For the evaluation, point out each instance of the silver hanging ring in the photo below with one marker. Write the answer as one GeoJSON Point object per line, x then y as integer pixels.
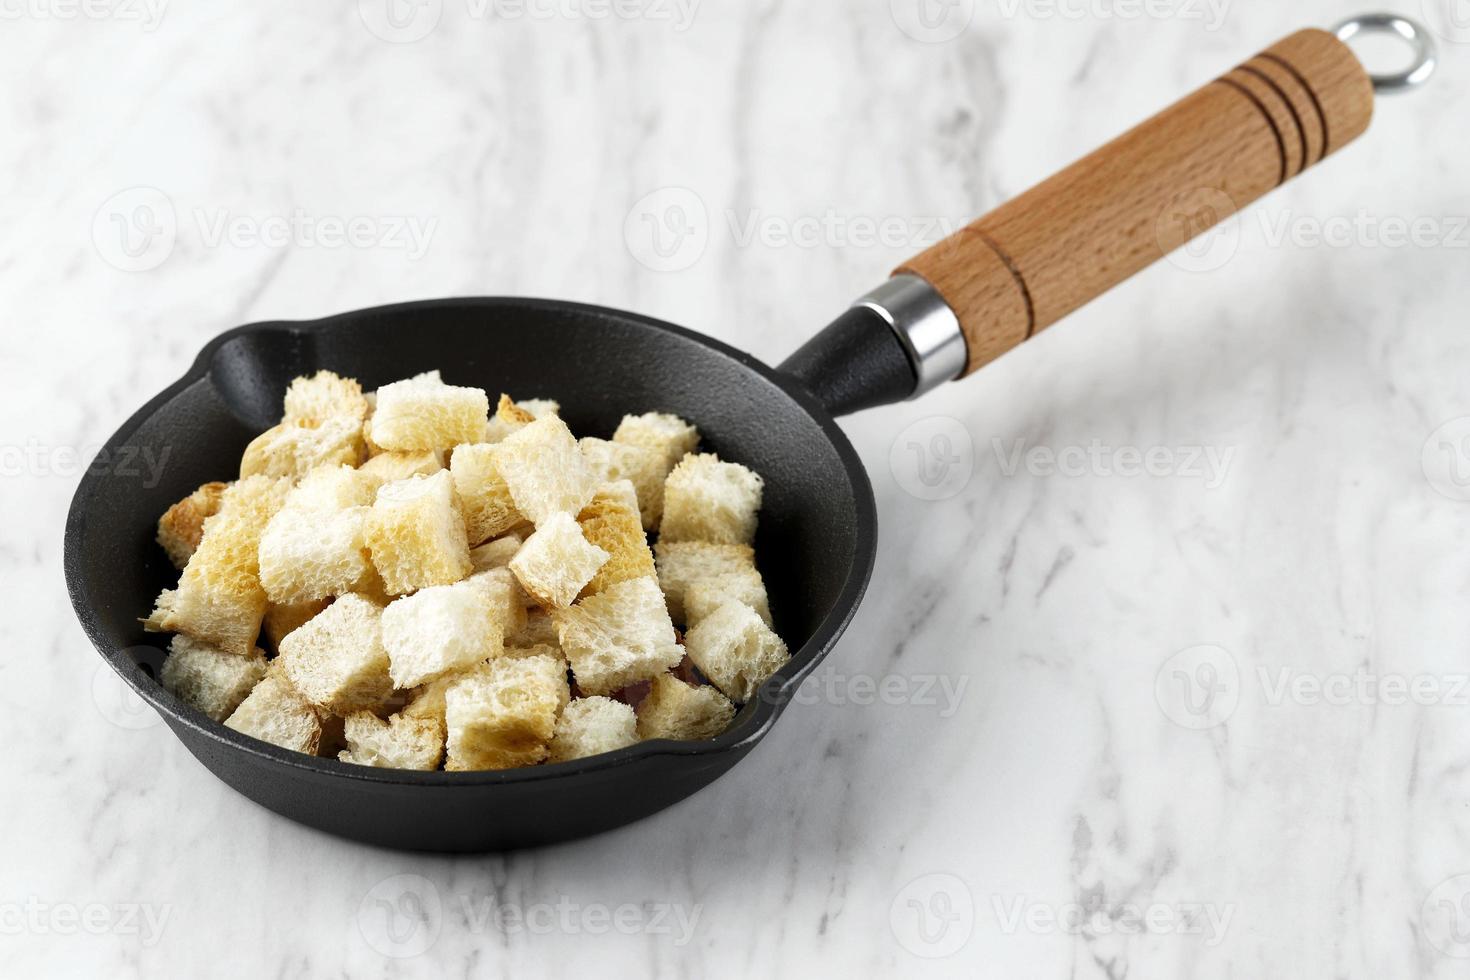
{"type": "Point", "coordinates": [1415, 33]}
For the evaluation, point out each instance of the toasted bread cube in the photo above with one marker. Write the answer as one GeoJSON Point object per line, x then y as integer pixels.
{"type": "Point", "coordinates": [640, 465]}
{"type": "Point", "coordinates": [324, 395]}
{"type": "Point", "coordinates": [668, 435]}
{"type": "Point", "coordinates": [489, 509]}
{"type": "Point", "coordinates": [503, 714]}
{"type": "Point", "coordinates": [708, 500]}
{"type": "Point", "coordinates": [293, 449]}
{"type": "Point", "coordinates": [392, 467]}
{"type": "Point", "coordinates": [592, 726]}
{"type": "Point", "coordinates": [496, 553]}
{"type": "Point", "coordinates": [219, 600]}
{"type": "Point", "coordinates": [508, 418]}
{"type": "Point", "coordinates": [540, 630]}
{"type": "Point", "coordinates": [208, 678]}
{"type": "Point", "coordinates": [683, 562]}
{"type": "Point", "coordinates": [425, 413]}
{"type": "Point", "coordinates": [618, 637]}
{"type": "Point", "coordinates": [736, 650]}
{"type": "Point", "coordinates": [316, 546]}
{"type": "Point", "coordinates": [557, 561]}
{"type": "Point", "coordinates": [507, 598]}
{"type": "Point", "coordinates": [181, 527]}
{"type": "Point", "coordinates": [550, 663]}
{"type": "Point", "coordinates": [611, 522]}
{"type": "Point", "coordinates": [703, 596]}
{"type": "Point", "coordinates": [674, 709]}
{"type": "Point", "coordinates": [281, 621]}
{"type": "Point", "coordinates": [401, 742]}
{"type": "Point", "coordinates": [439, 630]}
{"type": "Point", "coordinates": [545, 471]}
{"type": "Point", "coordinates": [416, 534]}
{"type": "Point", "coordinates": [337, 661]}
{"type": "Point", "coordinates": [275, 712]}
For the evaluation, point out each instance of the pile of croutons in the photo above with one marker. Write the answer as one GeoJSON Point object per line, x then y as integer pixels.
{"type": "Point", "coordinates": [403, 579]}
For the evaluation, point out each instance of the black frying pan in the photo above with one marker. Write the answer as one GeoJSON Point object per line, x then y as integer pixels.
{"type": "Point", "coordinates": [995, 283]}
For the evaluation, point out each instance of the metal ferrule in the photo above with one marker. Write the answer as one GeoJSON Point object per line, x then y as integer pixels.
{"type": "Point", "coordinates": [926, 326]}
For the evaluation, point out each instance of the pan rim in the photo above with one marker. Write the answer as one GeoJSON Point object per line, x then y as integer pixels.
{"type": "Point", "coordinates": [770, 702]}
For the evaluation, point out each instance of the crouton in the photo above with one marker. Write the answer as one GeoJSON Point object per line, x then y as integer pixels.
{"type": "Point", "coordinates": [618, 637]}
{"type": "Point", "coordinates": [668, 435]}
{"type": "Point", "coordinates": [219, 600]}
{"type": "Point", "coordinates": [392, 467]}
{"type": "Point", "coordinates": [557, 561]}
{"type": "Point", "coordinates": [275, 712]}
{"type": "Point", "coordinates": [539, 630]}
{"type": "Point", "coordinates": [611, 522]}
{"type": "Point", "coordinates": [681, 562]}
{"type": "Point", "coordinates": [294, 450]}
{"type": "Point", "coordinates": [507, 598]}
{"type": "Point", "coordinates": [544, 469]}
{"type": "Point", "coordinates": [736, 650]}
{"type": "Point", "coordinates": [496, 553]}
{"type": "Point", "coordinates": [539, 407]}
{"type": "Point", "coordinates": [708, 500]}
{"type": "Point", "coordinates": [508, 418]}
{"type": "Point", "coordinates": [324, 395]}
{"type": "Point", "coordinates": [337, 660]}
{"type": "Point", "coordinates": [416, 534]}
{"type": "Point", "coordinates": [181, 527]}
{"type": "Point", "coordinates": [424, 413]}
{"type": "Point", "coordinates": [591, 726]}
{"type": "Point", "coordinates": [674, 709]}
{"type": "Point", "coordinates": [209, 679]}
{"type": "Point", "coordinates": [640, 465]}
{"type": "Point", "coordinates": [703, 596]}
{"type": "Point", "coordinates": [550, 663]}
{"type": "Point", "coordinates": [489, 509]}
{"type": "Point", "coordinates": [503, 714]}
{"type": "Point", "coordinates": [281, 621]}
{"type": "Point", "coordinates": [439, 630]}
{"type": "Point", "coordinates": [316, 545]}
{"type": "Point", "coordinates": [400, 742]}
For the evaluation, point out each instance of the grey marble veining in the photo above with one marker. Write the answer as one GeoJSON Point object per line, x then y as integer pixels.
{"type": "Point", "coordinates": [1162, 672]}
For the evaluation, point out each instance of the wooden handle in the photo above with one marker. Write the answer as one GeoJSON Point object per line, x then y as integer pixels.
{"type": "Point", "coordinates": [1038, 257]}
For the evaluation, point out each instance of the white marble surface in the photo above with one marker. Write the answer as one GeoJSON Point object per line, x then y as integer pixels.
{"type": "Point", "coordinates": [1035, 754]}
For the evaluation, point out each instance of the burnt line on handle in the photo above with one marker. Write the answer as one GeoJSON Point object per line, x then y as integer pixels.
{"type": "Point", "coordinates": [1265, 114]}
{"type": "Point", "coordinates": [1316, 103]}
{"type": "Point", "coordinates": [1014, 270]}
{"type": "Point", "coordinates": [1281, 94]}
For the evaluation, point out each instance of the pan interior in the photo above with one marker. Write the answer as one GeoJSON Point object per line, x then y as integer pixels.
{"type": "Point", "coordinates": [814, 543]}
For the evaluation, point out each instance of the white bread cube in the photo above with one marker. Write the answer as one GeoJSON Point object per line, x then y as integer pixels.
{"type": "Point", "coordinates": [324, 395]}
{"type": "Point", "coordinates": [674, 709]}
{"type": "Point", "coordinates": [293, 449]}
{"type": "Point", "coordinates": [544, 469]}
{"type": "Point", "coordinates": [275, 712]}
{"type": "Point", "coordinates": [182, 525]}
{"type": "Point", "coordinates": [489, 509]}
{"type": "Point", "coordinates": [681, 563]}
{"type": "Point", "coordinates": [496, 553]}
{"type": "Point", "coordinates": [549, 662]}
{"type": "Point", "coordinates": [592, 726]}
{"type": "Point", "coordinates": [508, 418]}
{"type": "Point", "coordinates": [392, 467]}
{"type": "Point", "coordinates": [416, 534]}
{"type": "Point", "coordinates": [557, 561]}
{"type": "Point", "coordinates": [736, 650]}
{"type": "Point", "coordinates": [611, 522]}
{"type": "Point", "coordinates": [440, 630]}
{"type": "Point", "coordinates": [401, 742]}
{"type": "Point", "coordinates": [219, 600]}
{"type": "Point", "coordinates": [539, 407]}
{"type": "Point", "coordinates": [507, 599]}
{"type": "Point", "coordinates": [316, 546]}
{"type": "Point", "coordinates": [703, 596]}
{"type": "Point", "coordinates": [209, 679]}
{"type": "Point", "coordinates": [668, 435]}
{"type": "Point", "coordinates": [337, 660]}
{"type": "Point", "coordinates": [424, 413]}
{"type": "Point", "coordinates": [618, 637]}
{"type": "Point", "coordinates": [709, 500]}
{"type": "Point", "coordinates": [540, 630]}
{"type": "Point", "coordinates": [281, 621]}
{"type": "Point", "coordinates": [503, 714]}
{"type": "Point", "coordinates": [640, 465]}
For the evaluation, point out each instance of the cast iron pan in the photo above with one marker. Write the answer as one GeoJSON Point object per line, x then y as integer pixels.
{"type": "Point", "coordinates": [949, 311]}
